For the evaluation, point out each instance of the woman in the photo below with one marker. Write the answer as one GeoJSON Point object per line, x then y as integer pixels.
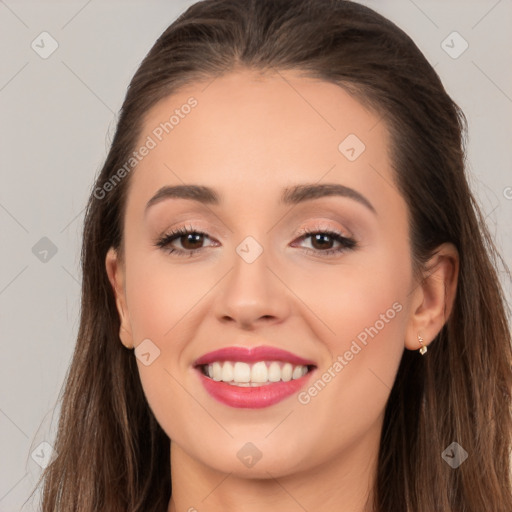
{"type": "Point", "coordinates": [290, 297]}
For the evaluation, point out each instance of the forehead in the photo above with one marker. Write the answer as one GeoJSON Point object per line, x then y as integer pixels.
{"type": "Point", "coordinates": [248, 132]}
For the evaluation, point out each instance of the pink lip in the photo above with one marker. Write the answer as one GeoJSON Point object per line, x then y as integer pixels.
{"type": "Point", "coordinates": [252, 397]}
{"type": "Point", "coordinates": [252, 355]}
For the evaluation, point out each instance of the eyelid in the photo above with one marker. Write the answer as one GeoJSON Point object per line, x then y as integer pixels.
{"type": "Point", "coordinates": [322, 225]}
{"type": "Point", "coordinates": [318, 225]}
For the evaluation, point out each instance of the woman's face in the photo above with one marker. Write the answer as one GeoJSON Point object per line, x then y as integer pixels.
{"type": "Point", "coordinates": [339, 298]}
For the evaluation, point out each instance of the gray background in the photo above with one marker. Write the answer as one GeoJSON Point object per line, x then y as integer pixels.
{"type": "Point", "coordinates": [58, 117]}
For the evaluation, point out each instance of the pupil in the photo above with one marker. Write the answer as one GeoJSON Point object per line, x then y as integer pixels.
{"type": "Point", "coordinates": [189, 239]}
{"type": "Point", "coordinates": [319, 237]}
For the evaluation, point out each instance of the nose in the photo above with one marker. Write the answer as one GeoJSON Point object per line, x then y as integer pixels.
{"type": "Point", "coordinates": [252, 294]}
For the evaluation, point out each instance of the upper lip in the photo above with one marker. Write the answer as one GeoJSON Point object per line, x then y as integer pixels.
{"type": "Point", "coordinates": [252, 355]}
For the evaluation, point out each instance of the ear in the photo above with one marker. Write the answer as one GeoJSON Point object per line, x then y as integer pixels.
{"type": "Point", "coordinates": [433, 297]}
{"type": "Point", "coordinates": [116, 276]}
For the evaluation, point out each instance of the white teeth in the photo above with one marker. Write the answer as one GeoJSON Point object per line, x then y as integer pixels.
{"type": "Point", "coordinates": [217, 371]}
{"type": "Point", "coordinates": [227, 372]}
{"type": "Point", "coordinates": [287, 372]}
{"type": "Point", "coordinates": [242, 372]}
{"type": "Point", "coordinates": [297, 372]}
{"type": "Point", "coordinates": [260, 373]}
{"type": "Point", "coordinates": [274, 372]}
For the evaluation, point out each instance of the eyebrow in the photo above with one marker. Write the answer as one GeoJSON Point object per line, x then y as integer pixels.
{"type": "Point", "coordinates": [290, 196]}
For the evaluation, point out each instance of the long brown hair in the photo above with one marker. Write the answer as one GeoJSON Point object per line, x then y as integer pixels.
{"type": "Point", "coordinates": [113, 455]}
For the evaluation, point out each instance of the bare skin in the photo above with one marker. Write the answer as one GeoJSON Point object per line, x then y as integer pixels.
{"type": "Point", "coordinates": [249, 137]}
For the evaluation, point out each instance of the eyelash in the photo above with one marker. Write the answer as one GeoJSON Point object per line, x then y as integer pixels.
{"type": "Point", "coordinates": [165, 241]}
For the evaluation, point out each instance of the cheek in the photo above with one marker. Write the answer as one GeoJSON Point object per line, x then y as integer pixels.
{"type": "Point", "coordinates": [161, 296]}
{"type": "Point", "coordinates": [161, 299]}
{"type": "Point", "coordinates": [361, 299]}
{"type": "Point", "coordinates": [361, 312]}
{"type": "Point", "coordinates": [349, 394]}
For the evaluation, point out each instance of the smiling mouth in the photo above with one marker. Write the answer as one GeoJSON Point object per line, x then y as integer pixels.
{"type": "Point", "coordinates": [257, 374]}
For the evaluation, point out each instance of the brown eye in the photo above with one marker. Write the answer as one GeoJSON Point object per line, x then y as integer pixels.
{"type": "Point", "coordinates": [191, 241]}
{"type": "Point", "coordinates": [322, 241]}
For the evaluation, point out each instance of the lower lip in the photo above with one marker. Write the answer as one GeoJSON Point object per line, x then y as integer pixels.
{"type": "Point", "coordinates": [252, 397]}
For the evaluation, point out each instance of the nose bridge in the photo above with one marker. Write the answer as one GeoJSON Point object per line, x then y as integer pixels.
{"type": "Point", "coordinates": [251, 291]}
{"type": "Point", "coordinates": [250, 279]}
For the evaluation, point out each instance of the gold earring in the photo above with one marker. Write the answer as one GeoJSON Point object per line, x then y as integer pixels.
{"type": "Point", "coordinates": [423, 348]}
